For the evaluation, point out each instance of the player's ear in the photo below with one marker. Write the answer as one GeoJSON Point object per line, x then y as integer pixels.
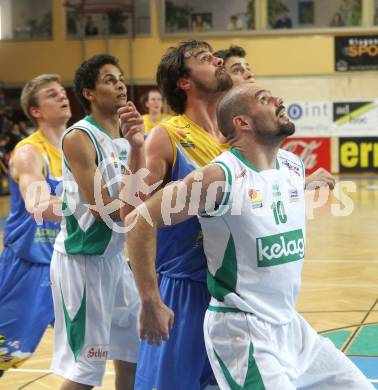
{"type": "Point", "coordinates": [88, 94]}
{"type": "Point", "coordinates": [241, 122]}
{"type": "Point", "coordinates": [35, 112]}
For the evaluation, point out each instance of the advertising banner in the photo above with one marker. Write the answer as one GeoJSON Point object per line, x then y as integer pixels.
{"type": "Point", "coordinates": [355, 118]}
{"type": "Point", "coordinates": [359, 52]}
{"type": "Point", "coordinates": [312, 118]}
{"type": "Point", "coordinates": [358, 154]}
{"type": "Point", "coordinates": [315, 151]}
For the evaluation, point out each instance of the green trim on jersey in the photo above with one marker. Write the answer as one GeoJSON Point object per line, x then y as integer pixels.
{"type": "Point", "coordinates": [94, 123]}
{"type": "Point", "coordinates": [219, 209]}
{"type": "Point", "coordinates": [225, 278]}
{"type": "Point", "coordinates": [75, 328]}
{"type": "Point", "coordinates": [303, 173]}
{"type": "Point", "coordinates": [93, 241]}
{"type": "Point", "coordinates": [66, 163]}
{"type": "Point", "coordinates": [221, 309]}
{"type": "Point", "coordinates": [253, 380]}
{"type": "Point", "coordinates": [100, 157]}
{"type": "Point", "coordinates": [227, 190]}
{"type": "Point", "coordinates": [241, 157]}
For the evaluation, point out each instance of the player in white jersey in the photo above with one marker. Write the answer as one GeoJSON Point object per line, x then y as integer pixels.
{"type": "Point", "coordinates": [95, 298]}
{"type": "Point", "coordinates": [250, 202]}
{"type": "Point", "coordinates": [240, 71]}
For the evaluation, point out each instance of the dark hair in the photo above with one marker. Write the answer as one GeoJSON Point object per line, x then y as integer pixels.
{"type": "Point", "coordinates": [87, 73]}
{"type": "Point", "coordinates": [171, 68]}
{"type": "Point", "coordinates": [235, 102]}
{"type": "Point", "coordinates": [144, 98]}
{"type": "Point", "coordinates": [232, 51]}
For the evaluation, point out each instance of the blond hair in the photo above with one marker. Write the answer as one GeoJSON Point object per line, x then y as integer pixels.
{"type": "Point", "coordinates": [28, 95]}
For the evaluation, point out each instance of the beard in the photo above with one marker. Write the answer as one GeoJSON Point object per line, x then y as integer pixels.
{"type": "Point", "coordinates": [286, 129]}
{"type": "Point", "coordinates": [223, 82]}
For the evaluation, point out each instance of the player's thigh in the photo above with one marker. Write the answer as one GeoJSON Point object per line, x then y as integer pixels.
{"type": "Point", "coordinates": [241, 353]}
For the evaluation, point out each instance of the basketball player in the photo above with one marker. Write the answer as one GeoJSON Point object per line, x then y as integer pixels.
{"type": "Point", "coordinates": [95, 299]}
{"type": "Point", "coordinates": [26, 307]}
{"type": "Point", "coordinates": [186, 78]}
{"type": "Point", "coordinates": [192, 80]}
{"type": "Point", "coordinates": [240, 72]}
{"type": "Point", "coordinates": [250, 202]}
{"type": "Point", "coordinates": [154, 105]}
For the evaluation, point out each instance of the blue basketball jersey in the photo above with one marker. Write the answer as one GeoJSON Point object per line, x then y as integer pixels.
{"type": "Point", "coordinates": [179, 248]}
{"type": "Point", "coordinates": [28, 240]}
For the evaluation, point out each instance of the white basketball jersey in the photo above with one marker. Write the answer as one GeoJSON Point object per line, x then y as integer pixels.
{"type": "Point", "coordinates": [80, 232]}
{"type": "Point", "coordinates": [255, 241]}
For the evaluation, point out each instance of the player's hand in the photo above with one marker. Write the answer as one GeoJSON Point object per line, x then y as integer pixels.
{"type": "Point", "coordinates": [320, 178]}
{"type": "Point", "coordinates": [132, 124]}
{"type": "Point", "coordinates": [155, 321]}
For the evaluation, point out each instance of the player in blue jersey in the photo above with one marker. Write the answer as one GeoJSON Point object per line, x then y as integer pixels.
{"type": "Point", "coordinates": [192, 80]}
{"type": "Point", "coordinates": [26, 306]}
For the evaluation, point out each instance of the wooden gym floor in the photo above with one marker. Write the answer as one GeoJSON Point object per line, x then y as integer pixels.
{"type": "Point", "coordinates": [339, 294]}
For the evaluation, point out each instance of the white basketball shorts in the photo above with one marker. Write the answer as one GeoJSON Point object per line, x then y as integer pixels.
{"type": "Point", "coordinates": [96, 315]}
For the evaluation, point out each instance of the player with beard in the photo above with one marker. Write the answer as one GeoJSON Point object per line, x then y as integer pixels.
{"type": "Point", "coordinates": [192, 80]}
{"type": "Point", "coordinates": [251, 206]}
{"type": "Point", "coordinates": [240, 71]}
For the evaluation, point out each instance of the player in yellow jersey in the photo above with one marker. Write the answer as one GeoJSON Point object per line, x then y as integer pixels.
{"type": "Point", "coordinates": [26, 306]}
{"type": "Point", "coordinates": [192, 80]}
{"type": "Point", "coordinates": [154, 104]}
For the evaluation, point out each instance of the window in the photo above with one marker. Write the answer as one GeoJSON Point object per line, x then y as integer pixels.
{"type": "Point", "coordinates": [101, 18]}
{"type": "Point", "coordinates": [24, 19]}
{"type": "Point", "coordinates": [298, 14]}
{"type": "Point", "coordinates": [208, 16]}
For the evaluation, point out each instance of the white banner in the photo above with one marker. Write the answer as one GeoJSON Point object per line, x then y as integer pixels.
{"type": "Point", "coordinates": [352, 118]}
{"type": "Point", "coordinates": [311, 119]}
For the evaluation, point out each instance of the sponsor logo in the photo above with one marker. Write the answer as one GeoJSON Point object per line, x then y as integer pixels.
{"type": "Point", "coordinates": [358, 154]}
{"type": "Point", "coordinates": [356, 52]}
{"type": "Point", "coordinates": [352, 113]}
{"type": "Point", "coordinates": [255, 198]}
{"type": "Point", "coordinates": [186, 140]}
{"type": "Point", "coordinates": [276, 191]}
{"type": "Point", "coordinates": [241, 174]}
{"type": "Point", "coordinates": [280, 248]}
{"type": "Point", "coordinates": [292, 167]}
{"type": "Point", "coordinates": [296, 111]}
{"type": "Point", "coordinates": [306, 151]}
{"type": "Point", "coordinates": [293, 195]}
{"type": "Point", "coordinates": [123, 155]}
{"type": "Point", "coordinates": [97, 353]}
{"type": "Point", "coordinates": [114, 159]}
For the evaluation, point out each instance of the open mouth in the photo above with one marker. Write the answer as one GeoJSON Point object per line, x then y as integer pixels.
{"type": "Point", "coordinates": [281, 112]}
{"type": "Point", "coordinates": [122, 96]}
